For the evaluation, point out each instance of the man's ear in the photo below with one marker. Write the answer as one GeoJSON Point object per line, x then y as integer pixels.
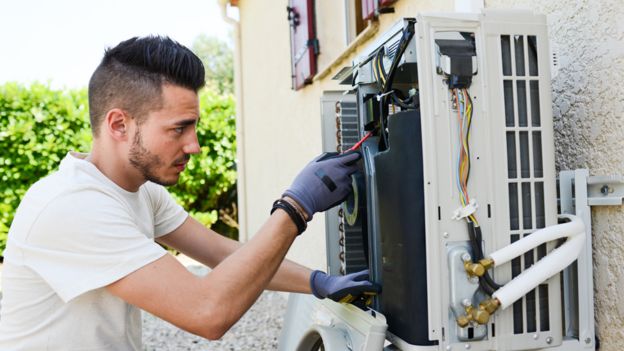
{"type": "Point", "coordinates": [117, 123]}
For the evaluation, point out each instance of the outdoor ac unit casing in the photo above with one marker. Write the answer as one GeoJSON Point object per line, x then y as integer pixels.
{"type": "Point", "coordinates": [512, 178]}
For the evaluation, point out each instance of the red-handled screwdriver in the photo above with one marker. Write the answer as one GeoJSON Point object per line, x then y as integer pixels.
{"type": "Point", "coordinates": [359, 143]}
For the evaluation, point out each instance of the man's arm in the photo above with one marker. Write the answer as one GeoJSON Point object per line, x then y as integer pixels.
{"type": "Point", "coordinates": [210, 248]}
{"type": "Point", "coordinates": [208, 306]}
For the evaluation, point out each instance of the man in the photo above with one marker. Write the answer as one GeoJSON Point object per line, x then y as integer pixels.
{"type": "Point", "coordinates": [81, 258]}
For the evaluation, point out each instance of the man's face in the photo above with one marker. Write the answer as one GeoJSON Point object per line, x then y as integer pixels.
{"type": "Point", "coordinates": [164, 141]}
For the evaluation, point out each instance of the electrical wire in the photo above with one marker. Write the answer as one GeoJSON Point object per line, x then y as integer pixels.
{"type": "Point", "coordinates": [464, 120]}
{"type": "Point", "coordinates": [384, 79]}
{"type": "Point", "coordinates": [464, 106]}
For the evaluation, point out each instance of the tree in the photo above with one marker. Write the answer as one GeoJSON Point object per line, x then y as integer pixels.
{"type": "Point", "coordinates": [218, 59]}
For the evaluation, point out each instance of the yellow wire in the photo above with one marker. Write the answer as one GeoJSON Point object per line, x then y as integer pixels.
{"type": "Point", "coordinates": [464, 161]}
{"type": "Point", "coordinates": [383, 79]}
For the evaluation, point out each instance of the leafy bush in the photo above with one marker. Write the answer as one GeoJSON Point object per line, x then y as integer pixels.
{"type": "Point", "coordinates": [208, 185]}
{"type": "Point", "coordinates": [39, 125]}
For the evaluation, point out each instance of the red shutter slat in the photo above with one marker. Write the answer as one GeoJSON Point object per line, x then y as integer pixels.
{"type": "Point", "coordinates": [303, 42]}
{"type": "Point", "coordinates": [384, 3]}
{"type": "Point", "coordinates": [368, 9]}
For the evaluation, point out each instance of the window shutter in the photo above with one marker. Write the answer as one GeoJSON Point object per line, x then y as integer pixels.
{"type": "Point", "coordinates": [304, 46]}
{"type": "Point", "coordinates": [370, 7]}
{"type": "Point", "coordinates": [384, 3]}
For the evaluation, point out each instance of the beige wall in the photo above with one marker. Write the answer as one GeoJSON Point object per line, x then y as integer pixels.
{"type": "Point", "coordinates": [282, 129]}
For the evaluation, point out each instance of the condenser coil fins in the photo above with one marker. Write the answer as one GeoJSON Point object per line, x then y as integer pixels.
{"type": "Point", "coordinates": [402, 229]}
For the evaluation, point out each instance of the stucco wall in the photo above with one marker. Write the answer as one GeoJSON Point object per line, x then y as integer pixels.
{"type": "Point", "coordinates": [588, 111]}
{"type": "Point", "coordinates": [282, 127]}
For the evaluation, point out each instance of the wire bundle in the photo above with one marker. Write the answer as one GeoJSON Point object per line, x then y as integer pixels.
{"type": "Point", "coordinates": [464, 120]}
{"type": "Point", "coordinates": [384, 79]}
{"type": "Point", "coordinates": [463, 102]}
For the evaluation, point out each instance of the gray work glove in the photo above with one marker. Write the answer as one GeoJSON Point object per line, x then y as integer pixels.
{"type": "Point", "coordinates": [343, 288]}
{"type": "Point", "coordinates": [324, 183]}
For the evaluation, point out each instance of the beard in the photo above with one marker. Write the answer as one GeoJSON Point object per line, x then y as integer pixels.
{"type": "Point", "coordinates": [147, 163]}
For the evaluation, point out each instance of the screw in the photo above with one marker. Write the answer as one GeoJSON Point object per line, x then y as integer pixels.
{"type": "Point", "coordinates": [588, 340]}
{"type": "Point", "coordinates": [445, 235]}
{"type": "Point", "coordinates": [535, 336]}
{"type": "Point", "coordinates": [549, 340]}
{"type": "Point", "coordinates": [466, 257]}
{"type": "Point", "coordinates": [467, 346]}
{"type": "Point", "coordinates": [605, 190]}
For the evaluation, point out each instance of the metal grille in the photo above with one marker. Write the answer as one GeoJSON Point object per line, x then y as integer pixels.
{"type": "Point", "coordinates": [346, 125]}
{"type": "Point", "coordinates": [352, 254]}
{"type": "Point", "coordinates": [525, 171]}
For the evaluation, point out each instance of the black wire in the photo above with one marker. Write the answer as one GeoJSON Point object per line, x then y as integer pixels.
{"type": "Point", "coordinates": [408, 33]}
{"type": "Point", "coordinates": [377, 74]}
{"type": "Point", "coordinates": [382, 128]}
{"type": "Point", "coordinates": [404, 104]}
{"type": "Point", "coordinates": [476, 249]}
{"type": "Point", "coordinates": [477, 254]}
{"type": "Point", "coordinates": [411, 102]}
{"type": "Point", "coordinates": [355, 74]}
{"type": "Point", "coordinates": [488, 279]}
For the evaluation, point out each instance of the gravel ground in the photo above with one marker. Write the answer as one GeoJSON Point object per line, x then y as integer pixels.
{"type": "Point", "coordinates": [259, 328]}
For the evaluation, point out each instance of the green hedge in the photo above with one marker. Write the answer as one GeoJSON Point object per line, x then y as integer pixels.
{"type": "Point", "coordinates": [207, 188]}
{"type": "Point", "coordinates": [39, 125]}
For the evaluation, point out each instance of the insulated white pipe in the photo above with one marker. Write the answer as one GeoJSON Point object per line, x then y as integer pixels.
{"type": "Point", "coordinates": [545, 268]}
{"type": "Point", "coordinates": [537, 238]}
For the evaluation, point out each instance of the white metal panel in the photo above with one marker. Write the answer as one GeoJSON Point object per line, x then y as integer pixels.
{"type": "Point", "coordinates": [489, 179]}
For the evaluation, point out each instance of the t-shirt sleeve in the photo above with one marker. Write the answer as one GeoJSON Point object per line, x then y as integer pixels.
{"type": "Point", "coordinates": [168, 215]}
{"type": "Point", "coordinates": [86, 240]}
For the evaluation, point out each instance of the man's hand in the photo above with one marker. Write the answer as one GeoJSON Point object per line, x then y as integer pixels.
{"type": "Point", "coordinates": [324, 183]}
{"type": "Point", "coordinates": [344, 288]}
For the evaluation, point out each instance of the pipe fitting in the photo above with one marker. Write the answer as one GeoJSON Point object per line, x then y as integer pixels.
{"type": "Point", "coordinates": [474, 269]}
{"type": "Point", "coordinates": [463, 320]}
{"type": "Point", "coordinates": [480, 315]}
{"type": "Point", "coordinates": [478, 269]}
{"type": "Point", "coordinates": [490, 305]}
{"type": "Point", "coordinates": [487, 263]}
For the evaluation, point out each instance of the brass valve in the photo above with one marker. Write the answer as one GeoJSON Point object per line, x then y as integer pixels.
{"type": "Point", "coordinates": [477, 269]}
{"type": "Point", "coordinates": [490, 305]}
{"type": "Point", "coordinates": [487, 263]}
{"type": "Point", "coordinates": [474, 269]}
{"type": "Point", "coordinates": [480, 315]}
{"type": "Point", "coordinates": [464, 320]}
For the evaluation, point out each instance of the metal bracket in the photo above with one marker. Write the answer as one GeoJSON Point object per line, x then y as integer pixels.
{"type": "Point", "coordinates": [605, 190]}
{"type": "Point", "coordinates": [578, 292]}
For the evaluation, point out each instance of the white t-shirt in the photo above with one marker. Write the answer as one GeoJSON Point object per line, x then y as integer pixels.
{"type": "Point", "coordinates": [75, 232]}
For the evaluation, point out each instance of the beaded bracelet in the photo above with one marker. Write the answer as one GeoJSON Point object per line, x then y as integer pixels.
{"type": "Point", "coordinates": [294, 215]}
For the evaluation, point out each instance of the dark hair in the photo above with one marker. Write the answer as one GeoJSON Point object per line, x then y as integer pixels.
{"type": "Point", "coordinates": [132, 73]}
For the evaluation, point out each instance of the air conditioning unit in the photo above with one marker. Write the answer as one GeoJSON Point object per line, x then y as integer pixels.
{"type": "Point", "coordinates": [455, 207]}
